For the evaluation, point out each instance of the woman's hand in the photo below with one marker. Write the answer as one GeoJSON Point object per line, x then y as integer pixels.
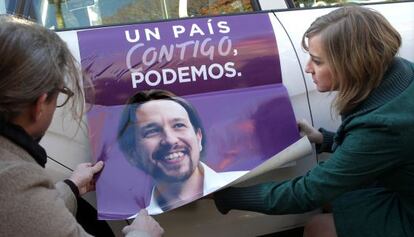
{"type": "Point", "coordinates": [313, 134]}
{"type": "Point", "coordinates": [144, 223]}
{"type": "Point", "coordinates": [83, 176]}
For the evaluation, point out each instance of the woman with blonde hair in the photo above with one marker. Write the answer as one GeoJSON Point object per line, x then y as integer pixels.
{"type": "Point", "coordinates": [369, 177]}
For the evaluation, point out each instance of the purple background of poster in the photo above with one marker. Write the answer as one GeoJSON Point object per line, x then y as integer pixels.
{"type": "Point", "coordinates": [239, 137]}
{"type": "Point", "coordinates": [247, 119]}
{"type": "Point", "coordinates": [103, 56]}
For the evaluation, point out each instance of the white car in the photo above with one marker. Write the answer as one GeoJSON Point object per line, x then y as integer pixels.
{"type": "Point", "coordinates": [67, 146]}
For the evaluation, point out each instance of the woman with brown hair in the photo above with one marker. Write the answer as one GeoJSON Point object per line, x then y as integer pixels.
{"type": "Point", "coordinates": [369, 177]}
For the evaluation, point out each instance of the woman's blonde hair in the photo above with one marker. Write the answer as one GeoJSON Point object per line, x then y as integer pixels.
{"type": "Point", "coordinates": [360, 45]}
{"type": "Point", "coordinates": [34, 61]}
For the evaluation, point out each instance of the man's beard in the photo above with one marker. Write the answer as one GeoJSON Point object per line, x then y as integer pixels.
{"type": "Point", "coordinates": [158, 174]}
{"type": "Point", "coordinates": [159, 155]}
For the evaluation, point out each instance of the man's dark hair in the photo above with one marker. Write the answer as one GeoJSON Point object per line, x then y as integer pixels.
{"type": "Point", "coordinates": [126, 128]}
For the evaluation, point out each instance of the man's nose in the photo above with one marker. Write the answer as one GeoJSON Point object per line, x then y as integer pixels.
{"type": "Point", "coordinates": [169, 137]}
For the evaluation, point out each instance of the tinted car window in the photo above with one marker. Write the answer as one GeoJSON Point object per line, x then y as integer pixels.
{"type": "Point", "coordinates": [69, 14]}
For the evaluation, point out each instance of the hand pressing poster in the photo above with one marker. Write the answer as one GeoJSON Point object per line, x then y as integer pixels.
{"type": "Point", "coordinates": [180, 109]}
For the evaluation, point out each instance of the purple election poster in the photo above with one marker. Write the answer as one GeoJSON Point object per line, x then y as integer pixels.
{"type": "Point", "coordinates": [181, 108]}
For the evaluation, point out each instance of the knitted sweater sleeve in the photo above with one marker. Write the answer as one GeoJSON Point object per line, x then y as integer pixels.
{"type": "Point", "coordinates": [369, 150]}
{"type": "Point", "coordinates": [327, 142]}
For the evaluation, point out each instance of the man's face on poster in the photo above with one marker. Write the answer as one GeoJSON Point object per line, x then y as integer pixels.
{"type": "Point", "coordinates": [167, 144]}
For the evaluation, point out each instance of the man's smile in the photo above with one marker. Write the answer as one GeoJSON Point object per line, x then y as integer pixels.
{"type": "Point", "coordinates": [171, 156]}
{"type": "Point", "coordinates": [176, 156]}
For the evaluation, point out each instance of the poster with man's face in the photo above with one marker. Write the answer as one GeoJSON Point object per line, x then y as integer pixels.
{"type": "Point", "coordinates": [180, 109]}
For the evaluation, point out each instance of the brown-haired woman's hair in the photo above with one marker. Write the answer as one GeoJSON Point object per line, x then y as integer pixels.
{"type": "Point", "coordinates": [360, 44]}
{"type": "Point", "coordinates": [34, 61]}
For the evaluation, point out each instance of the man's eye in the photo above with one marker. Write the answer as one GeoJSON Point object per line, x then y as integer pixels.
{"type": "Point", "coordinates": [150, 132]}
{"type": "Point", "coordinates": [179, 125]}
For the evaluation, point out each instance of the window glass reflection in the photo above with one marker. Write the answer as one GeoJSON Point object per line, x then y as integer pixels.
{"type": "Point", "coordinates": [70, 14]}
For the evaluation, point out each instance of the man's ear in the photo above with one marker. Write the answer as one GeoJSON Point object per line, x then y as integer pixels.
{"type": "Point", "coordinates": [199, 138]}
{"type": "Point", "coordinates": [38, 107]}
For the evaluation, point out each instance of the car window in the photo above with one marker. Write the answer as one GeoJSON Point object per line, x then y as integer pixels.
{"type": "Point", "coordinates": [323, 3]}
{"type": "Point", "coordinates": [70, 14]}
